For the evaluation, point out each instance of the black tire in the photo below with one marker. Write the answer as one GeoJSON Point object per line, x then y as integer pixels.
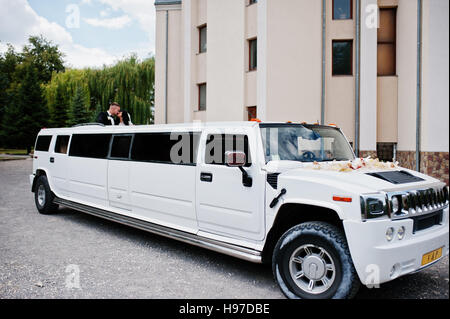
{"type": "Point", "coordinates": [44, 204]}
{"type": "Point", "coordinates": [334, 276]}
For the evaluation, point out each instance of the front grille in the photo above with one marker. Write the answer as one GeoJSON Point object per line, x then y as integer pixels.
{"type": "Point", "coordinates": [427, 221]}
{"type": "Point", "coordinates": [419, 202]}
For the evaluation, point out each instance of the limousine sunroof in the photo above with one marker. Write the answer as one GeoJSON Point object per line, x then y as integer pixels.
{"type": "Point", "coordinates": [89, 124]}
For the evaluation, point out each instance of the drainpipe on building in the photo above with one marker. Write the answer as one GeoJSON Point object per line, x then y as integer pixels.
{"type": "Point", "coordinates": [419, 84]}
{"type": "Point", "coordinates": [167, 69]}
{"type": "Point", "coordinates": [324, 44]}
{"type": "Point", "coordinates": [357, 76]}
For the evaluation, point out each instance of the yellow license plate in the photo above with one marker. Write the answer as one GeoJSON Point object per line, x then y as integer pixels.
{"type": "Point", "coordinates": [431, 256]}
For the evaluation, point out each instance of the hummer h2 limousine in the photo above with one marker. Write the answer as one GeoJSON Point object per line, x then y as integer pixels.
{"type": "Point", "coordinates": [292, 195]}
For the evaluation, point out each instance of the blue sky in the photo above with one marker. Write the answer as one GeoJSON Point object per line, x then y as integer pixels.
{"type": "Point", "coordinates": [90, 32]}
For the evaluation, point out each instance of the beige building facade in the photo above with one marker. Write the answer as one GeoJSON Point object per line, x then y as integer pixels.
{"type": "Point", "coordinates": [377, 69]}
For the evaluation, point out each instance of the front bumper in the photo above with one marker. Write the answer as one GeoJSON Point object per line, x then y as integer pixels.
{"type": "Point", "coordinates": [378, 261]}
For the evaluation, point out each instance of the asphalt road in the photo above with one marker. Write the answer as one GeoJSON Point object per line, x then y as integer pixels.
{"type": "Point", "coordinates": [40, 257]}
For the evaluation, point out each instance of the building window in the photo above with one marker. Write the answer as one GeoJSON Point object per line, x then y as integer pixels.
{"type": "Point", "coordinates": [202, 97]}
{"type": "Point", "coordinates": [343, 57]}
{"type": "Point", "coordinates": [252, 113]}
{"type": "Point", "coordinates": [202, 31]}
{"type": "Point", "coordinates": [253, 52]}
{"type": "Point", "coordinates": [252, 2]}
{"type": "Point", "coordinates": [342, 9]}
{"type": "Point", "coordinates": [387, 152]}
{"type": "Point", "coordinates": [387, 38]}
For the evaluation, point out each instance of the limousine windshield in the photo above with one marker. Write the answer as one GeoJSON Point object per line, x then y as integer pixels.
{"type": "Point", "coordinates": [304, 143]}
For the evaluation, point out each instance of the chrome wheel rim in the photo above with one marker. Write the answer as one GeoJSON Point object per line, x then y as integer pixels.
{"type": "Point", "coordinates": [312, 269]}
{"type": "Point", "coordinates": [41, 195]}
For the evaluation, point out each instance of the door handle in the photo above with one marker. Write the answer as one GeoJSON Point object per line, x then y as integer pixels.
{"type": "Point", "coordinates": [206, 177]}
{"type": "Point", "coordinates": [52, 159]}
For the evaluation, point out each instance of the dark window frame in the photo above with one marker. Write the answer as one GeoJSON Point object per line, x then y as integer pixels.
{"type": "Point", "coordinates": [250, 67]}
{"type": "Point", "coordinates": [346, 19]}
{"type": "Point", "coordinates": [75, 137]}
{"type": "Point", "coordinates": [200, 28]}
{"type": "Point", "coordinates": [39, 139]}
{"type": "Point", "coordinates": [249, 112]}
{"type": "Point", "coordinates": [57, 145]}
{"type": "Point", "coordinates": [246, 139]}
{"type": "Point", "coordinates": [351, 57]}
{"type": "Point", "coordinates": [194, 148]}
{"type": "Point", "coordinates": [393, 43]}
{"type": "Point", "coordinates": [110, 157]}
{"type": "Point", "coordinates": [199, 107]}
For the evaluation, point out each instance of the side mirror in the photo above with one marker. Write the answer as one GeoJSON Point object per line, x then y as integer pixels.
{"type": "Point", "coordinates": [239, 159]}
{"type": "Point", "coordinates": [235, 159]}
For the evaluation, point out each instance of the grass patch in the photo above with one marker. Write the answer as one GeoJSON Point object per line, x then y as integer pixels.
{"type": "Point", "coordinates": [5, 159]}
{"type": "Point", "coordinates": [13, 151]}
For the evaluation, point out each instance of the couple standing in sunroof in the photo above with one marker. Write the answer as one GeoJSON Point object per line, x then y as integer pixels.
{"type": "Point", "coordinates": [115, 116]}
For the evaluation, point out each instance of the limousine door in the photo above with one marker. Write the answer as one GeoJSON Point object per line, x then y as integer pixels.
{"type": "Point", "coordinates": [119, 172]}
{"type": "Point", "coordinates": [59, 162]}
{"type": "Point", "coordinates": [225, 206]}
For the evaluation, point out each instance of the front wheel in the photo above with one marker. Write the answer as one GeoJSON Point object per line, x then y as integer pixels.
{"type": "Point", "coordinates": [44, 197]}
{"type": "Point", "coordinates": [312, 261]}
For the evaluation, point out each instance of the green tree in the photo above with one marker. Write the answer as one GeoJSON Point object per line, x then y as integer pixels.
{"type": "Point", "coordinates": [24, 119]}
{"type": "Point", "coordinates": [130, 82]}
{"type": "Point", "coordinates": [78, 111]}
{"type": "Point", "coordinates": [22, 107]}
{"type": "Point", "coordinates": [61, 108]}
{"type": "Point", "coordinates": [45, 56]}
{"type": "Point", "coordinates": [8, 63]}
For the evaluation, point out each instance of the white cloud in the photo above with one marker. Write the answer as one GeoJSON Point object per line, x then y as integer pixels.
{"type": "Point", "coordinates": [141, 10]}
{"type": "Point", "coordinates": [111, 23]}
{"type": "Point", "coordinates": [105, 13]}
{"type": "Point", "coordinates": [18, 21]}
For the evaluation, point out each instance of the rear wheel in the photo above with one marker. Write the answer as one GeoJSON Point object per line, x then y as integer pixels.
{"type": "Point", "coordinates": [44, 197]}
{"type": "Point", "coordinates": [312, 261]}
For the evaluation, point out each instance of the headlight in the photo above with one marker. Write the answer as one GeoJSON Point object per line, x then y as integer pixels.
{"type": "Point", "coordinates": [401, 233]}
{"type": "Point", "coordinates": [374, 206]}
{"type": "Point", "coordinates": [390, 234]}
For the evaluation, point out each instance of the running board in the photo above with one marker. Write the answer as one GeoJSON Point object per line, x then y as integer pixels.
{"type": "Point", "coordinates": [211, 244]}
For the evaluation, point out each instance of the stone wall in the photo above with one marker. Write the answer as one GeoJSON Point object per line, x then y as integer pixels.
{"type": "Point", "coordinates": [431, 163]}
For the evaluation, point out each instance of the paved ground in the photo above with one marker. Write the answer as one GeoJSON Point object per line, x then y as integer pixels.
{"type": "Point", "coordinates": [115, 261]}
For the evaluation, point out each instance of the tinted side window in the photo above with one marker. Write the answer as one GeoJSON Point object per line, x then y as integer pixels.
{"type": "Point", "coordinates": [43, 143]}
{"type": "Point", "coordinates": [90, 145]}
{"type": "Point", "coordinates": [161, 148]}
{"type": "Point", "coordinates": [62, 144]}
{"type": "Point", "coordinates": [218, 144]}
{"type": "Point", "coordinates": [121, 147]}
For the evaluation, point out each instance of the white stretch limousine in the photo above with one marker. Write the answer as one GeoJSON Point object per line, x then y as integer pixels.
{"type": "Point", "coordinates": [292, 195]}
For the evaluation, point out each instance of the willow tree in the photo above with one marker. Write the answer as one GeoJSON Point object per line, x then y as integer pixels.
{"type": "Point", "coordinates": [129, 83]}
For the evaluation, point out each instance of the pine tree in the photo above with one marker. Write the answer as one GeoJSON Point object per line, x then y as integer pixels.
{"type": "Point", "coordinates": [60, 109]}
{"type": "Point", "coordinates": [78, 112]}
{"type": "Point", "coordinates": [24, 119]}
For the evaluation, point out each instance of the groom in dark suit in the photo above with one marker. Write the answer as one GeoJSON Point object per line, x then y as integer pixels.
{"type": "Point", "coordinates": [109, 117]}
